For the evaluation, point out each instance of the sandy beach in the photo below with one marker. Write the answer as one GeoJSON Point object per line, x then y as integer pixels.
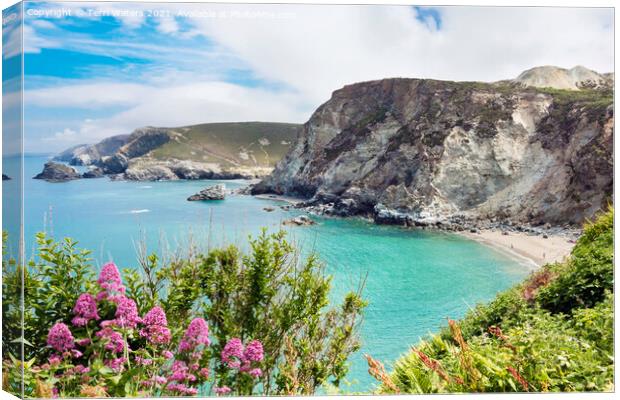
{"type": "Point", "coordinates": [534, 248]}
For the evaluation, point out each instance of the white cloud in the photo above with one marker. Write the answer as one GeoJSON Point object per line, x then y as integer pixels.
{"type": "Point", "coordinates": [167, 25]}
{"type": "Point", "coordinates": [172, 105]}
{"type": "Point", "coordinates": [67, 135]}
{"type": "Point", "coordinates": [319, 49]}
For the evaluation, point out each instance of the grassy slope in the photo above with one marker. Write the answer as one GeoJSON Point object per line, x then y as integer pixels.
{"type": "Point", "coordinates": [227, 143]}
{"type": "Point", "coordinates": [555, 332]}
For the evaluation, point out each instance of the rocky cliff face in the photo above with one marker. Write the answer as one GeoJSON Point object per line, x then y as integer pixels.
{"type": "Point", "coordinates": [422, 151]}
{"type": "Point", "coordinates": [85, 154]}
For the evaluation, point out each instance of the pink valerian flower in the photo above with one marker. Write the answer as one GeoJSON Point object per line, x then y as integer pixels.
{"type": "Point", "coordinates": [156, 326]}
{"type": "Point", "coordinates": [182, 389]}
{"type": "Point", "coordinates": [232, 354]}
{"type": "Point", "coordinates": [116, 364]}
{"type": "Point", "coordinates": [60, 338]}
{"type": "Point", "coordinates": [221, 390]}
{"type": "Point", "coordinates": [155, 317]}
{"type": "Point", "coordinates": [190, 391]}
{"type": "Point", "coordinates": [54, 360]}
{"type": "Point", "coordinates": [114, 341]}
{"type": "Point", "coordinates": [110, 279]}
{"type": "Point", "coordinates": [254, 351]}
{"type": "Point", "coordinates": [127, 313]}
{"type": "Point", "coordinates": [76, 353]}
{"type": "Point", "coordinates": [159, 380]}
{"type": "Point", "coordinates": [167, 354]}
{"type": "Point", "coordinates": [180, 372]}
{"type": "Point", "coordinates": [143, 361]}
{"type": "Point", "coordinates": [85, 310]}
{"type": "Point", "coordinates": [197, 334]}
{"type": "Point", "coordinates": [83, 342]}
{"type": "Point", "coordinates": [204, 372]}
{"type": "Point", "coordinates": [240, 357]}
{"type": "Point", "coordinates": [80, 369]}
{"type": "Point", "coordinates": [256, 372]}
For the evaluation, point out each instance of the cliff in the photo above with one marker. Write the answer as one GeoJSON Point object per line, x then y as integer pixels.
{"type": "Point", "coordinates": [206, 151]}
{"type": "Point", "coordinates": [416, 151]}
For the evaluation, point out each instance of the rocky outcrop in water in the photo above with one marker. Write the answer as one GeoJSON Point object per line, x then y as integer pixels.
{"type": "Point", "coordinates": [55, 172]}
{"type": "Point", "coordinates": [216, 192]}
{"type": "Point", "coordinates": [415, 151]}
{"type": "Point", "coordinates": [93, 173]}
{"type": "Point", "coordinates": [301, 220]}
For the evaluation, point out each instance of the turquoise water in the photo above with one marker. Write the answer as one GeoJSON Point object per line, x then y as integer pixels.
{"type": "Point", "coordinates": [415, 279]}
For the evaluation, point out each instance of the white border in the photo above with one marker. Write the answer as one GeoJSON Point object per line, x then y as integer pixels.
{"type": "Point", "coordinates": [533, 3]}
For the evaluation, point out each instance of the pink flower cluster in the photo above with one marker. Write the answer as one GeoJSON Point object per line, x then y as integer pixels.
{"type": "Point", "coordinates": [60, 338]}
{"type": "Point", "coordinates": [240, 357]}
{"type": "Point", "coordinates": [156, 327]}
{"type": "Point", "coordinates": [222, 390]}
{"type": "Point", "coordinates": [126, 314]}
{"type": "Point", "coordinates": [113, 340]}
{"type": "Point", "coordinates": [182, 389]}
{"type": "Point", "coordinates": [185, 371]}
{"type": "Point", "coordinates": [181, 373]}
{"type": "Point", "coordinates": [85, 310]}
{"type": "Point", "coordinates": [197, 334]}
{"type": "Point", "coordinates": [116, 364]}
{"type": "Point", "coordinates": [110, 281]}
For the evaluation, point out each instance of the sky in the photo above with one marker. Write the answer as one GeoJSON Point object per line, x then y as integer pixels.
{"type": "Point", "coordinates": [93, 70]}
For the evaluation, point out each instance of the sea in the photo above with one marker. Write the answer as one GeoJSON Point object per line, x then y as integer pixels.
{"type": "Point", "coordinates": [414, 280]}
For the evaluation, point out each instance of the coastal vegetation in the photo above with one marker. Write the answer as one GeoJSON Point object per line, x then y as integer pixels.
{"type": "Point", "coordinates": [216, 323]}
{"type": "Point", "coordinates": [553, 332]}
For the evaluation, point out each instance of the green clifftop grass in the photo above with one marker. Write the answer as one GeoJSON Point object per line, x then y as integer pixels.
{"type": "Point", "coordinates": [553, 332]}
{"type": "Point", "coordinates": [230, 144]}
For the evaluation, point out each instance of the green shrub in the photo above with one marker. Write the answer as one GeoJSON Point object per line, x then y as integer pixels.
{"type": "Point", "coordinates": [553, 332]}
{"type": "Point", "coordinates": [269, 295]}
{"type": "Point", "coordinates": [583, 281]}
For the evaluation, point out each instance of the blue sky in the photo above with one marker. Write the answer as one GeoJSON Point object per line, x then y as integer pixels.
{"type": "Point", "coordinates": [109, 68]}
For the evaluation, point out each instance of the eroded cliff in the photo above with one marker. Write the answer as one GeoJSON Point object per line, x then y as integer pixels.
{"type": "Point", "coordinates": [418, 151]}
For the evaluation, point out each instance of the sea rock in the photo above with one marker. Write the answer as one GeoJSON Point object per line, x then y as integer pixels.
{"type": "Point", "coordinates": [301, 220]}
{"type": "Point", "coordinates": [269, 209]}
{"type": "Point", "coordinates": [216, 192]}
{"type": "Point", "coordinates": [93, 173]}
{"type": "Point", "coordinates": [55, 172]}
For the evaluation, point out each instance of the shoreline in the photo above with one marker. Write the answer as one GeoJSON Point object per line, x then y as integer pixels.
{"type": "Point", "coordinates": [287, 199]}
{"type": "Point", "coordinates": [536, 249]}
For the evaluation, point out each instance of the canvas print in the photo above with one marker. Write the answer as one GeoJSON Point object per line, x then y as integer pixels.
{"type": "Point", "coordinates": [208, 199]}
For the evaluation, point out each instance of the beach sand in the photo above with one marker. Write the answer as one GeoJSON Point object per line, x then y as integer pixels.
{"type": "Point", "coordinates": [534, 248]}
